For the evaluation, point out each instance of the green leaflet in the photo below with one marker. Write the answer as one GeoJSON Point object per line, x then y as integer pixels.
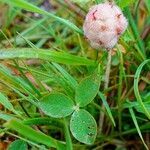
{"type": "Point", "coordinates": [18, 145]}
{"type": "Point", "coordinates": [56, 105]}
{"type": "Point", "coordinates": [83, 126]}
{"type": "Point", "coordinates": [87, 90]}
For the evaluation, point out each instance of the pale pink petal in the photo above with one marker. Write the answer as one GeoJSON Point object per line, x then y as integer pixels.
{"type": "Point", "coordinates": [104, 24]}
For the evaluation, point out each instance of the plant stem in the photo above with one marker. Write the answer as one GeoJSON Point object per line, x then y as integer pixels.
{"type": "Point", "coordinates": [107, 71]}
{"type": "Point", "coordinates": [67, 135]}
{"type": "Point", "coordinates": [107, 74]}
{"type": "Point", "coordinates": [121, 74]}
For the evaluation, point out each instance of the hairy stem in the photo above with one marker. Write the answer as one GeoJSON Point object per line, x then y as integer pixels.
{"type": "Point", "coordinates": [107, 74]}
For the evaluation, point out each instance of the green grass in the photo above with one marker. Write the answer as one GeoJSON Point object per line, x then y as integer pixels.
{"type": "Point", "coordinates": [52, 83]}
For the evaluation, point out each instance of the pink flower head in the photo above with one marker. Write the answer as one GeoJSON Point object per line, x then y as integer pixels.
{"type": "Point", "coordinates": [104, 24]}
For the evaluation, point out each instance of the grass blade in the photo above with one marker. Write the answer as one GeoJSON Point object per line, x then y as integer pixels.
{"type": "Point", "coordinates": [147, 2]}
{"type": "Point", "coordinates": [136, 90]}
{"type": "Point", "coordinates": [5, 117]}
{"type": "Point", "coordinates": [107, 107]}
{"type": "Point", "coordinates": [137, 127]}
{"type": "Point", "coordinates": [136, 34]}
{"type": "Point", "coordinates": [6, 103]}
{"type": "Point", "coordinates": [126, 3]}
{"type": "Point", "coordinates": [66, 75]}
{"type": "Point", "coordinates": [30, 7]}
{"type": "Point", "coordinates": [31, 134]}
{"type": "Point", "coordinates": [59, 57]}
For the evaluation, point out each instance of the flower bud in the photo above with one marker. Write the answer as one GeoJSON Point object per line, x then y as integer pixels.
{"type": "Point", "coordinates": [104, 24]}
